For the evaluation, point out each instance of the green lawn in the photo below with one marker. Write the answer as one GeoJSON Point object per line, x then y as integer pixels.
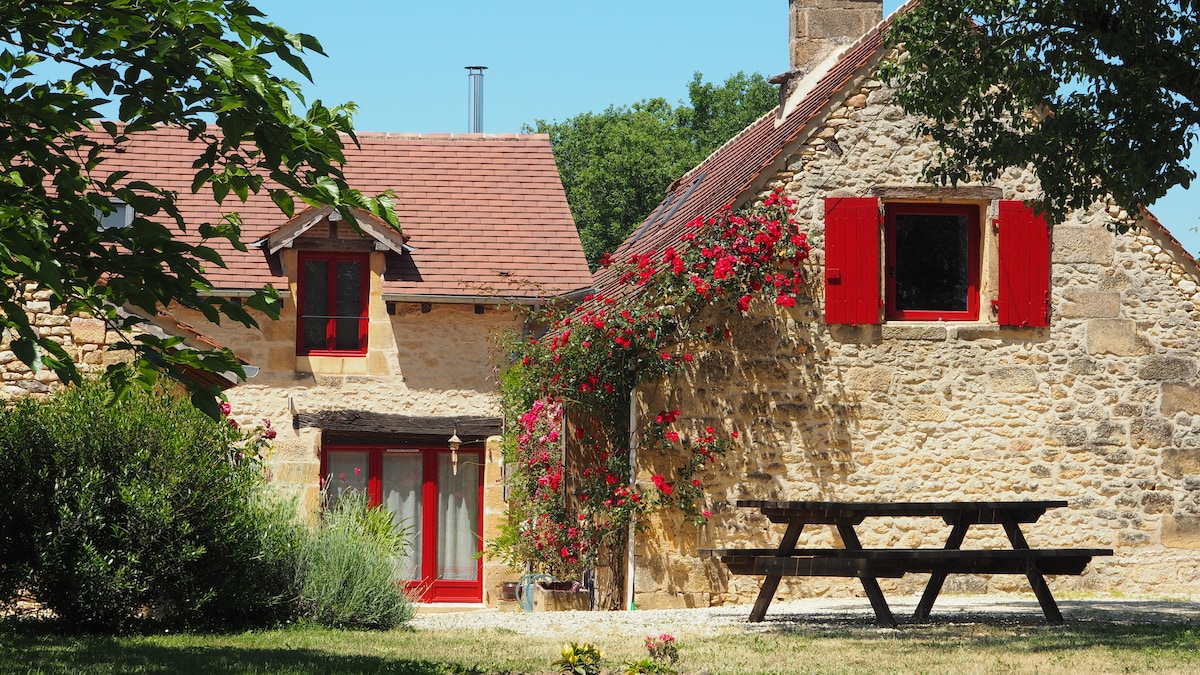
{"type": "Point", "coordinates": [1081, 647]}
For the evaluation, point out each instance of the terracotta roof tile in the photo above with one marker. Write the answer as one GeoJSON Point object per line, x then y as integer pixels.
{"type": "Point", "coordinates": [467, 202]}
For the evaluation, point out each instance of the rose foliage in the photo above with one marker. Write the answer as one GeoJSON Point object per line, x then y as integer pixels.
{"type": "Point", "coordinates": [570, 512]}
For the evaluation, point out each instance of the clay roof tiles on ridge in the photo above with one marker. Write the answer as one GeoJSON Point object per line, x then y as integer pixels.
{"type": "Point", "coordinates": [471, 205]}
{"type": "Point", "coordinates": [729, 174]}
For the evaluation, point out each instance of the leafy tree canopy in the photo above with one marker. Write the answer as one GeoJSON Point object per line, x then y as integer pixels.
{"type": "Point", "coordinates": [1099, 96]}
{"type": "Point", "coordinates": [200, 65]}
{"type": "Point", "coordinates": [616, 165]}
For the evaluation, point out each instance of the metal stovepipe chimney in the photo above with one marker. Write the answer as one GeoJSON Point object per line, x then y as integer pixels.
{"type": "Point", "coordinates": [475, 98]}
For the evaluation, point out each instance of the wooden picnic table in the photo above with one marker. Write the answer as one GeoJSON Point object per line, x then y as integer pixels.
{"type": "Point", "coordinates": [868, 565]}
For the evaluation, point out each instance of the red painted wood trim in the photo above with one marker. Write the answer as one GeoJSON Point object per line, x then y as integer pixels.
{"type": "Point", "coordinates": [428, 588]}
{"type": "Point", "coordinates": [852, 260]}
{"type": "Point", "coordinates": [973, 260]}
{"type": "Point", "coordinates": [332, 259]}
{"type": "Point", "coordinates": [1024, 244]}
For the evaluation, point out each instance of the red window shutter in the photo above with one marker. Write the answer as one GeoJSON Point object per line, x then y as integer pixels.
{"type": "Point", "coordinates": [852, 260]}
{"type": "Point", "coordinates": [1024, 266]}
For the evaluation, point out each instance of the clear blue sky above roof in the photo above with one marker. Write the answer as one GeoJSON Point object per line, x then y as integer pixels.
{"type": "Point", "coordinates": [402, 61]}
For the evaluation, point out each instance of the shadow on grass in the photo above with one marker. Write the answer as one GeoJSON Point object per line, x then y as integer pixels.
{"type": "Point", "coordinates": [59, 654]}
{"type": "Point", "coordinates": [1016, 625]}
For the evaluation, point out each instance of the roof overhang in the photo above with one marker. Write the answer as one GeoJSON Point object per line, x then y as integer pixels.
{"type": "Point", "coordinates": [576, 295]}
{"type": "Point", "coordinates": [176, 328]}
{"type": "Point", "coordinates": [386, 238]}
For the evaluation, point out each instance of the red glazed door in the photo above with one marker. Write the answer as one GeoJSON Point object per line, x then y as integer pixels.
{"type": "Point", "coordinates": [437, 495]}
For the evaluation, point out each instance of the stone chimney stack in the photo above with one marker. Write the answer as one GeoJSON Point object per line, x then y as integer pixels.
{"type": "Point", "coordinates": [820, 26]}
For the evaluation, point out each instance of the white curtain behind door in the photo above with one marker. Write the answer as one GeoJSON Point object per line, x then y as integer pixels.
{"type": "Point", "coordinates": [402, 478]}
{"type": "Point", "coordinates": [345, 472]}
{"type": "Point", "coordinates": [458, 517]}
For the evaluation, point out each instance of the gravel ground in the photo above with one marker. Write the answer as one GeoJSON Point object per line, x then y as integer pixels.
{"type": "Point", "coordinates": [802, 615]}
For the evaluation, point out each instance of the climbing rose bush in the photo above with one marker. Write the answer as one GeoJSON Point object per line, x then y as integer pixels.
{"type": "Point", "coordinates": [594, 355]}
{"type": "Point", "coordinates": [548, 534]}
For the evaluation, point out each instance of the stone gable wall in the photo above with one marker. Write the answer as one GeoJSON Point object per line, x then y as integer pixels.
{"type": "Point", "coordinates": [1101, 408]}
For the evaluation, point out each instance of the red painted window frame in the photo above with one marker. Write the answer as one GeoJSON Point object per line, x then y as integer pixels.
{"type": "Point", "coordinates": [427, 588]}
{"type": "Point", "coordinates": [974, 260]}
{"type": "Point", "coordinates": [330, 326]}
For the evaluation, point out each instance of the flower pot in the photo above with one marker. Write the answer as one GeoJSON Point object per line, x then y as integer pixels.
{"type": "Point", "coordinates": [561, 596]}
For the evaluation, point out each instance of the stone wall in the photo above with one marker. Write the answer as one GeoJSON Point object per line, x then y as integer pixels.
{"type": "Point", "coordinates": [818, 27]}
{"type": "Point", "coordinates": [1101, 408]}
{"type": "Point", "coordinates": [84, 338]}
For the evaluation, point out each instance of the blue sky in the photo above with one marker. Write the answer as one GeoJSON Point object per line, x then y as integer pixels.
{"type": "Point", "coordinates": [402, 61]}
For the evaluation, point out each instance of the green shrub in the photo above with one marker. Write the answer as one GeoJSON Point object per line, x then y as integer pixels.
{"type": "Point", "coordinates": [116, 514]}
{"type": "Point", "coordinates": [347, 568]}
{"type": "Point", "coordinates": [25, 485]}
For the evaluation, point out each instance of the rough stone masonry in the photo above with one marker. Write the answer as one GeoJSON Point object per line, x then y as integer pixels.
{"type": "Point", "coordinates": [1101, 408]}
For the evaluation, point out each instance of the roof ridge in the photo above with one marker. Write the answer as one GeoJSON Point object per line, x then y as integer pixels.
{"type": "Point", "coordinates": [450, 136]}
{"type": "Point", "coordinates": [696, 169]}
{"type": "Point", "coordinates": [763, 148]}
{"type": "Point", "coordinates": [833, 63]}
{"type": "Point", "coordinates": [402, 135]}
{"type": "Point", "coordinates": [1192, 263]}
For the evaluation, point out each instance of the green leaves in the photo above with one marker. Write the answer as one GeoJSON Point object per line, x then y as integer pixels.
{"type": "Point", "coordinates": [1099, 97]}
{"type": "Point", "coordinates": [224, 63]}
{"type": "Point", "coordinates": [186, 64]}
{"type": "Point", "coordinates": [616, 165]}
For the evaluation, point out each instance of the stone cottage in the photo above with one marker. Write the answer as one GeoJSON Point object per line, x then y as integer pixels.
{"type": "Point", "coordinates": [379, 374]}
{"type": "Point", "coordinates": [1010, 362]}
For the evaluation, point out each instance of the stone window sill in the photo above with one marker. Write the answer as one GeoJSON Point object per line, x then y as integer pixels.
{"type": "Point", "coordinates": [942, 331]}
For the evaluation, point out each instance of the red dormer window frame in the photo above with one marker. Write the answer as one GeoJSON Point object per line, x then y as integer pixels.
{"type": "Point", "coordinates": [333, 321]}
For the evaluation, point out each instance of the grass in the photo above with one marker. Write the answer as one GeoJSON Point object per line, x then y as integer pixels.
{"type": "Point", "coordinates": [1079, 648]}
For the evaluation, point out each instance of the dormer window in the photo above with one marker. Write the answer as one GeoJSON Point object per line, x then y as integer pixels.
{"type": "Point", "coordinates": [120, 215]}
{"type": "Point", "coordinates": [332, 304]}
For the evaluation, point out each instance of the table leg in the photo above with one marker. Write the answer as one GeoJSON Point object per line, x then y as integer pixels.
{"type": "Point", "coordinates": [765, 595]}
{"type": "Point", "coordinates": [771, 581]}
{"type": "Point", "coordinates": [1044, 596]}
{"type": "Point", "coordinates": [938, 577]}
{"type": "Point", "coordinates": [883, 613]}
{"type": "Point", "coordinates": [1036, 580]}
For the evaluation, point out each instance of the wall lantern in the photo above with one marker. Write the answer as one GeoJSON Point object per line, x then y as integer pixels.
{"type": "Point", "coordinates": [454, 442]}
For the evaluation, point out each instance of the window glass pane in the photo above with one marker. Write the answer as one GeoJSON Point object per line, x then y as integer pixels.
{"type": "Point", "coordinates": [458, 516]}
{"type": "Point", "coordinates": [347, 334]}
{"type": "Point", "coordinates": [402, 496]}
{"type": "Point", "coordinates": [345, 472]}
{"type": "Point", "coordinates": [120, 216]}
{"type": "Point", "coordinates": [349, 304]}
{"type": "Point", "coordinates": [932, 262]}
{"type": "Point", "coordinates": [316, 303]}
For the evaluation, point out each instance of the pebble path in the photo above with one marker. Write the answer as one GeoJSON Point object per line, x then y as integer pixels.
{"type": "Point", "coordinates": [993, 608]}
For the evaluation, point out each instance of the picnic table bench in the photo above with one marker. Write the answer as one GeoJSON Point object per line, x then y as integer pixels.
{"type": "Point", "coordinates": [870, 564]}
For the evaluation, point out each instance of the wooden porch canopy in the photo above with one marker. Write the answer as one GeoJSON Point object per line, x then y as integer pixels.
{"type": "Point", "coordinates": [361, 426]}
